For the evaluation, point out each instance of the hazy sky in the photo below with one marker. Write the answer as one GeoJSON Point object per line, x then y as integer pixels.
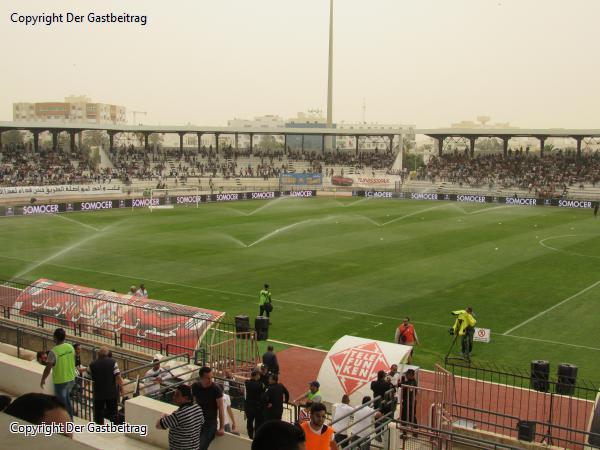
{"type": "Point", "coordinates": [428, 62]}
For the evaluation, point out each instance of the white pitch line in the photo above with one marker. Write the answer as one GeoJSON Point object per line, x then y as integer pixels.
{"type": "Point", "coordinates": [566, 252]}
{"type": "Point", "coordinates": [506, 333]}
{"type": "Point", "coordinates": [68, 219]}
{"type": "Point", "coordinates": [545, 341]}
{"type": "Point", "coordinates": [285, 301]}
{"type": "Point", "coordinates": [219, 291]}
{"type": "Point", "coordinates": [415, 213]}
{"type": "Point", "coordinates": [354, 202]}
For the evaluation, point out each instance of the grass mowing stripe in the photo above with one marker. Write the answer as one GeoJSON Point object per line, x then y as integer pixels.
{"type": "Point", "coordinates": [219, 291]}
{"type": "Point", "coordinates": [68, 219]}
{"type": "Point", "coordinates": [562, 302]}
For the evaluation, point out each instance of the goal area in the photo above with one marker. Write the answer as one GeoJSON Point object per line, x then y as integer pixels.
{"type": "Point", "coordinates": [180, 196]}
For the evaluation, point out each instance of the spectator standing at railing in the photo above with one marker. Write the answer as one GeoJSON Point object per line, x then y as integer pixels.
{"type": "Point", "coordinates": [318, 435]}
{"type": "Point", "coordinates": [274, 398]}
{"type": "Point", "coordinates": [252, 405]}
{"type": "Point", "coordinates": [313, 395]}
{"type": "Point", "coordinates": [107, 385]}
{"type": "Point", "coordinates": [342, 413]}
{"type": "Point", "coordinates": [209, 397]}
{"type": "Point", "coordinates": [229, 426]}
{"type": "Point", "coordinates": [381, 388]}
{"type": "Point", "coordinates": [61, 361]}
{"type": "Point", "coordinates": [407, 397]}
{"type": "Point", "coordinates": [363, 423]}
{"type": "Point", "coordinates": [154, 377]}
{"type": "Point", "coordinates": [186, 423]}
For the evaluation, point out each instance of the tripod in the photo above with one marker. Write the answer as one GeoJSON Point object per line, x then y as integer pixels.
{"type": "Point", "coordinates": [456, 328]}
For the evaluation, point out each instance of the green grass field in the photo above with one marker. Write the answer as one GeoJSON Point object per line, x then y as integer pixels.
{"type": "Point", "coordinates": [346, 266]}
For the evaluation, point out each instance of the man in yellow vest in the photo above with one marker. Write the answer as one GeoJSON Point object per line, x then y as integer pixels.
{"type": "Point", "coordinates": [464, 326]}
{"type": "Point", "coordinates": [61, 361]}
{"type": "Point", "coordinates": [318, 435]}
{"type": "Point", "coordinates": [264, 302]}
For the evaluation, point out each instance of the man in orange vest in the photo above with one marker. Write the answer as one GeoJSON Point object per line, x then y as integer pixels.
{"type": "Point", "coordinates": [318, 435]}
{"type": "Point", "coordinates": [406, 335]}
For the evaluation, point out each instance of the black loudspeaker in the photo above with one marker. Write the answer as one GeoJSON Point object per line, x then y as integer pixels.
{"type": "Point", "coordinates": [261, 326]}
{"type": "Point", "coordinates": [526, 430]}
{"type": "Point", "coordinates": [567, 377]}
{"type": "Point", "coordinates": [540, 373]}
{"type": "Point", "coordinates": [242, 325]}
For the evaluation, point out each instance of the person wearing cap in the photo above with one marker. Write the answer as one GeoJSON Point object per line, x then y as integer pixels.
{"type": "Point", "coordinates": [132, 290]}
{"type": "Point", "coordinates": [154, 377]}
{"type": "Point", "coordinates": [313, 395]}
{"type": "Point", "coordinates": [252, 405]}
{"type": "Point", "coordinates": [264, 301]}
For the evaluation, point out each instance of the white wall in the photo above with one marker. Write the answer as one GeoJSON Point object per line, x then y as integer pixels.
{"type": "Point", "coordinates": [144, 410]}
{"type": "Point", "coordinates": [18, 377]}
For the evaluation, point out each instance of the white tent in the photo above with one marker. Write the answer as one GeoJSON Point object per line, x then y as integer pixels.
{"type": "Point", "coordinates": [353, 362]}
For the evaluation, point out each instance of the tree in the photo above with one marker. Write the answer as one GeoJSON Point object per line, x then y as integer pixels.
{"type": "Point", "coordinates": [268, 142]}
{"type": "Point", "coordinates": [95, 138]}
{"type": "Point", "coordinates": [412, 161]}
{"type": "Point", "coordinates": [12, 137]}
{"type": "Point", "coordinates": [155, 139]}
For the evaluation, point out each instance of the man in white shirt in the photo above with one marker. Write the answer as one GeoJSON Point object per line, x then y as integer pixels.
{"type": "Point", "coordinates": [142, 292]}
{"type": "Point", "coordinates": [363, 423]}
{"type": "Point", "coordinates": [342, 414]}
{"type": "Point", "coordinates": [228, 418]}
{"type": "Point", "coordinates": [394, 376]}
{"type": "Point", "coordinates": [154, 377]}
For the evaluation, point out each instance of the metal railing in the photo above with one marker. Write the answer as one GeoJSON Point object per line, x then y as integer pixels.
{"type": "Point", "coordinates": [498, 399]}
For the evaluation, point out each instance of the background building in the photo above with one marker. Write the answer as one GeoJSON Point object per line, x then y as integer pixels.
{"type": "Point", "coordinates": [75, 109]}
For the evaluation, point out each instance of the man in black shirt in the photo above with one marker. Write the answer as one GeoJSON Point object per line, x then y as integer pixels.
{"type": "Point", "coordinates": [269, 359]}
{"type": "Point", "coordinates": [274, 398]}
{"type": "Point", "coordinates": [107, 385]}
{"type": "Point", "coordinates": [379, 388]}
{"type": "Point", "coordinates": [210, 398]}
{"type": "Point", "coordinates": [254, 391]}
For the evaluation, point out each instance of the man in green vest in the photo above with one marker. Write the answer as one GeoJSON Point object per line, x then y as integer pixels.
{"type": "Point", "coordinates": [313, 395]}
{"type": "Point", "coordinates": [264, 301]}
{"type": "Point", "coordinates": [61, 361]}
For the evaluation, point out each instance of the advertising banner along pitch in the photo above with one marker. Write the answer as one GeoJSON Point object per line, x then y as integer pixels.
{"type": "Point", "coordinates": [353, 362]}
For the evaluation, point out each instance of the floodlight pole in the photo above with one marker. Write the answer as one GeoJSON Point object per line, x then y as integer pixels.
{"type": "Point", "coordinates": [330, 75]}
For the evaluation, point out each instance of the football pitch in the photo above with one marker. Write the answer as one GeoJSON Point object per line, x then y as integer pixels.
{"type": "Point", "coordinates": [346, 266]}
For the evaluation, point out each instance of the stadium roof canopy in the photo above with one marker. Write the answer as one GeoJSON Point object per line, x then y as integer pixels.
{"type": "Point", "coordinates": [193, 129]}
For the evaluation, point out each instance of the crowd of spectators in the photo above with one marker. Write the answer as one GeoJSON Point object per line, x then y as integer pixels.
{"type": "Point", "coordinates": [20, 165]}
{"type": "Point", "coordinates": [550, 175]}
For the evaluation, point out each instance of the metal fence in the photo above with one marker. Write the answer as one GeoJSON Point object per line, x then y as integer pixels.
{"type": "Point", "coordinates": [501, 400]}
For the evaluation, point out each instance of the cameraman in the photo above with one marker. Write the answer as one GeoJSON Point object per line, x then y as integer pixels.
{"type": "Point", "coordinates": [464, 326]}
{"type": "Point", "coordinates": [406, 335]}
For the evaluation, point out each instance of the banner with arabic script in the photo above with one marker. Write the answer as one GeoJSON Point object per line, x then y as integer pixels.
{"type": "Point", "coordinates": [62, 190]}
{"type": "Point", "coordinates": [129, 319]}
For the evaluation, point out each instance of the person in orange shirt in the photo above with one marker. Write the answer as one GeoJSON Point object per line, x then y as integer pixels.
{"type": "Point", "coordinates": [318, 435]}
{"type": "Point", "coordinates": [406, 335]}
